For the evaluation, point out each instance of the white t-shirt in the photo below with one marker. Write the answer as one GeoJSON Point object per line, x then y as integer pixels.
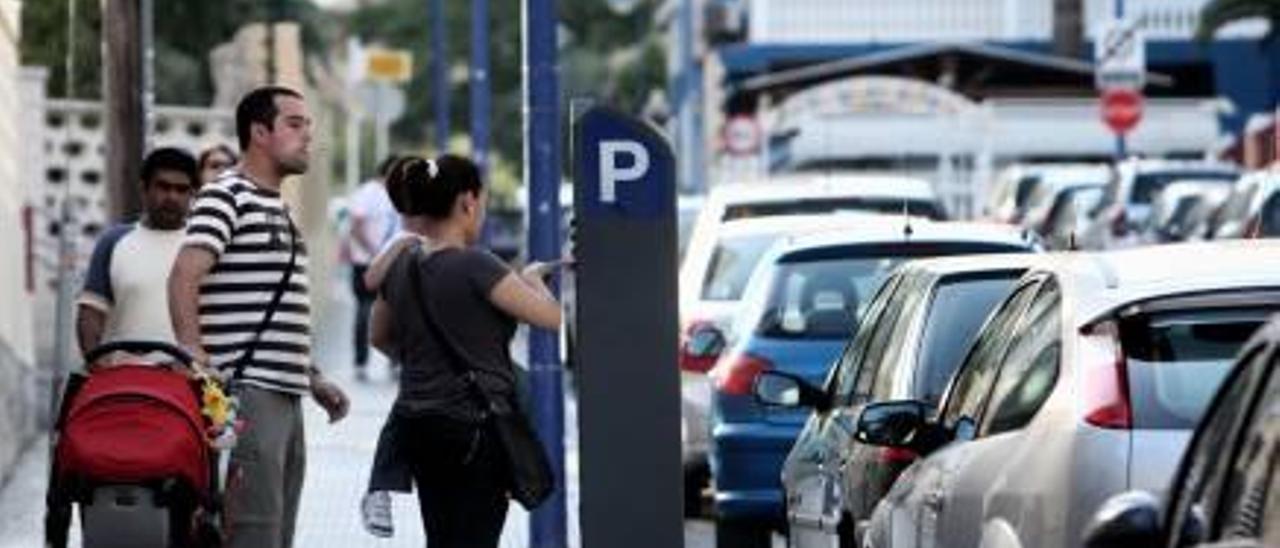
{"type": "Point", "coordinates": [128, 280]}
{"type": "Point", "coordinates": [381, 221]}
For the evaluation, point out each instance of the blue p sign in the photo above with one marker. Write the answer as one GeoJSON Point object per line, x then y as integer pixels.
{"type": "Point", "coordinates": [611, 170]}
{"type": "Point", "coordinates": [624, 167]}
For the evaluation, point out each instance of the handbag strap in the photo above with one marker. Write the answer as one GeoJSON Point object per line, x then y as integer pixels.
{"type": "Point", "coordinates": [247, 356]}
{"type": "Point", "coordinates": [458, 359]}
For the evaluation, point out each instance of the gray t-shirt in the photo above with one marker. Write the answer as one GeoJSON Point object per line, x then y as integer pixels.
{"type": "Point", "coordinates": [455, 284]}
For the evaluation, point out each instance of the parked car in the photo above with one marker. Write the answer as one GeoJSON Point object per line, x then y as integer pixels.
{"type": "Point", "coordinates": [739, 246]}
{"type": "Point", "coordinates": [1085, 382]}
{"type": "Point", "coordinates": [801, 304]}
{"type": "Point", "coordinates": [1126, 204]}
{"type": "Point", "coordinates": [912, 338]}
{"type": "Point", "coordinates": [1227, 489]}
{"type": "Point", "coordinates": [1248, 206]}
{"type": "Point", "coordinates": [1176, 210]}
{"type": "Point", "coordinates": [1056, 181]}
{"type": "Point", "coordinates": [1016, 187]}
{"type": "Point", "coordinates": [794, 195]}
{"type": "Point", "coordinates": [1068, 216]}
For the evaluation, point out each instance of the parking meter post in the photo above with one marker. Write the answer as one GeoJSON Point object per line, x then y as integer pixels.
{"type": "Point", "coordinates": [547, 526]}
{"type": "Point", "coordinates": [626, 333]}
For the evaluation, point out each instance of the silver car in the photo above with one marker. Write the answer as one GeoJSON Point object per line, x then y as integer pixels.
{"type": "Point", "coordinates": [1085, 382]}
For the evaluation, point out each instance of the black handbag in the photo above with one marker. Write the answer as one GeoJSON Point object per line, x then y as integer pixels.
{"type": "Point", "coordinates": [531, 478]}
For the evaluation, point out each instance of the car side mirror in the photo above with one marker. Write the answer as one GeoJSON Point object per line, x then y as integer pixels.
{"type": "Point", "coordinates": [701, 346]}
{"type": "Point", "coordinates": [780, 389]}
{"type": "Point", "coordinates": [891, 423]}
{"type": "Point", "coordinates": [1127, 520]}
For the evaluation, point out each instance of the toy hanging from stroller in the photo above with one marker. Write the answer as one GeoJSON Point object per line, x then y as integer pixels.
{"type": "Point", "coordinates": [136, 447]}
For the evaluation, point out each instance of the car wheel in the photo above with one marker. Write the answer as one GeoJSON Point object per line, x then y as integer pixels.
{"type": "Point", "coordinates": [735, 533]}
{"type": "Point", "coordinates": [697, 477]}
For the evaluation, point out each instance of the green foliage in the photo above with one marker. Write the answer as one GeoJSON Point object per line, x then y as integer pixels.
{"type": "Point", "coordinates": [185, 32]}
{"type": "Point", "coordinates": [44, 43]}
{"type": "Point", "coordinates": [596, 39]}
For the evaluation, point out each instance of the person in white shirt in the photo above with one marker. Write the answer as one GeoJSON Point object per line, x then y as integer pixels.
{"type": "Point", "coordinates": [123, 296]}
{"type": "Point", "coordinates": [374, 221]}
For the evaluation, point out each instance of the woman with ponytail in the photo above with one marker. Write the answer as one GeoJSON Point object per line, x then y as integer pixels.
{"type": "Point", "coordinates": [444, 300]}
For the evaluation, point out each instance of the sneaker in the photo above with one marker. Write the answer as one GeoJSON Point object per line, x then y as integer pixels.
{"type": "Point", "coordinates": [375, 514]}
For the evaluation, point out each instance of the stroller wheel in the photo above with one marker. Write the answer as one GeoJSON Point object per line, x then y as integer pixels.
{"type": "Point", "coordinates": [124, 516]}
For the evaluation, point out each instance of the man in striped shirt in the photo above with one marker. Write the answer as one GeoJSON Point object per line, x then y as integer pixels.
{"type": "Point", "coordinates": [240, 243]}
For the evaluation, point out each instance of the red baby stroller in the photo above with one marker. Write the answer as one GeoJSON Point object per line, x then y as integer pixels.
{"type": "Point", "coordinates": [130, 450]}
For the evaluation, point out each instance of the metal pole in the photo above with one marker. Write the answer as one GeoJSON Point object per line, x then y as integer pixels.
{"type": "Point", "coordinates": [148, 54]}
{"type": "Point", "coordinates": [480, 83]}
{"type": "Point", "coordinates": [1121, 145]}
{"type": "Point", "coordinates": [542, 175]}
{"type": "Point", "coordinates": [66, 247]}
{"type": "Point", "coordinates": [382, 125]}
{"type": "Point", "coordinates": [440, 74]}
{"type": "Point", "coordinates": [684, 95]}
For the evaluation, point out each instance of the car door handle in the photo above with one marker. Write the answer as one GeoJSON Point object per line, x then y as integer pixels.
{"type": "Point", "coordinates": [933, 500]}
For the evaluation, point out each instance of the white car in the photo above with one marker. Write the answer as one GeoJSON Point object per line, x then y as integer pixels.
{"type": "Point", "coordinates": [1126, 204]}
{"type": "Point", "coordinates": [1086, 382]}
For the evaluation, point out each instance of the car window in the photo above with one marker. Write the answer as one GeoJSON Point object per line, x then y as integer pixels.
{"type": "Point", "coordinates": [843, 376]}
{"type": "Point", "coordinates": [731, 265]}
{"type": "Point", "coordinates": [974, 379]}
{"type": "Point", "coordinates": [876, 375]}
{"type": "Point", "coordinates": [1177, 359]}
{"type": "Point", "coordinates": [959, 306]}
{"type": "Point", "coordinates": [1030, 367]}
{"type": "Point", "coordinates": [1269, 217]}
{"type": "Point", "coordinates": [1248, 495]}
{"type": "Point", "coordinates": [1147, 185]}
{"type": "Point", "coordinates": [1198, 483]}
{"type": "Point", "coordinates": [810, 206]}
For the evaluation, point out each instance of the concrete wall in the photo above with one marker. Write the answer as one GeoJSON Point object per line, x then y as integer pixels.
{"type": "Point", "coordinates": [16, 349]}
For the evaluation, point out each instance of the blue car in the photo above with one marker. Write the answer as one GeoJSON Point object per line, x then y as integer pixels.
{"type": "Point", "coordinates": [799, 309]}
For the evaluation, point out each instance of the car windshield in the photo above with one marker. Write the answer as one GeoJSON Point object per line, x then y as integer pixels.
{"type": "Point", "coordinates": [820, 293]}
{"type": "Point", "coordinates": [960, 305]}
{"type": "Point", "coordinates": [802, 206]}
{"type": "Point", "coordinates": [731, 265]}
{"type": "Point", "coordinates": [1176, 360]}
{"type": "Point", "coordinates": [1270, 217]}
{"type": "Point", "coordinates": [1147, 185]}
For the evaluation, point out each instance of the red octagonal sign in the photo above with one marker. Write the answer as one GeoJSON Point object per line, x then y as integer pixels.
{"type": "Point", "coordinates": [1121, 109]}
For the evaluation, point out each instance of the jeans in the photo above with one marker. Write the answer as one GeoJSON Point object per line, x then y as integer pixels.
{"type": "Point", "coordinates": [461, 481]}
{"type": "Point", "coordinates": [364, 304]}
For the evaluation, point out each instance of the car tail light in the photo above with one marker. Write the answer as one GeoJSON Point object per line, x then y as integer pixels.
{"type": "Point", "coordinates": [1106, 379]}
{"type": "Point", "coordinates": [735, 374]}
{"type": "Point", "coordinates": [896, 455]}
{"type": "Point", "coordinates": [700, 345]}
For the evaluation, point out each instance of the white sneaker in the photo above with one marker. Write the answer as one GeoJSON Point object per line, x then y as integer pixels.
{"type": "Point", "coordinates": [375, 514]}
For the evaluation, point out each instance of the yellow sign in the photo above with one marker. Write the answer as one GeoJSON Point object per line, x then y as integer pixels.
{"type": "Point", "coordinates": [388, 65]}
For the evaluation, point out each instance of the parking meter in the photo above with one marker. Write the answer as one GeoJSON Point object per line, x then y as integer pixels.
{"type": "Point", "coordinates": [626, 333]}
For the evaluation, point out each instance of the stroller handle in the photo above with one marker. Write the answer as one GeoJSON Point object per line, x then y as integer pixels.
{"type": "Point", "coordinates": [138, 347]}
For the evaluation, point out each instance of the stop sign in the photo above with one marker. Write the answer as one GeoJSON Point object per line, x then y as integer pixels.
{"type": "Point", "coordinates": [1121, 108]}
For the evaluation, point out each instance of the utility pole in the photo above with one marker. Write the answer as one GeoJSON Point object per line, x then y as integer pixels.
{"type": "Point", "coordinates": [1121, 145]}
{"type": "Point", "coordinates": [480, 99]}
{"type": "Point", "coordinates": [440, 74]}
{"type": "Point", "coordinates": [542, 177]}
{"type": "Point", "coordinates": [124, 106]}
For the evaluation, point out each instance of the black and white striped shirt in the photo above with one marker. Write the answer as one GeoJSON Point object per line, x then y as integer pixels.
{"type": "Point", "coordinates": [246, 227]}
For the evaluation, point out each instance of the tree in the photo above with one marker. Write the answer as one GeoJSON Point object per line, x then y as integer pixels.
{"type": "Point", "coordinates": [185, 32]}
{"type": "Point", "coordinates": [1220, 13]}
{"type": "Point", "coordinates": [596, 36]}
